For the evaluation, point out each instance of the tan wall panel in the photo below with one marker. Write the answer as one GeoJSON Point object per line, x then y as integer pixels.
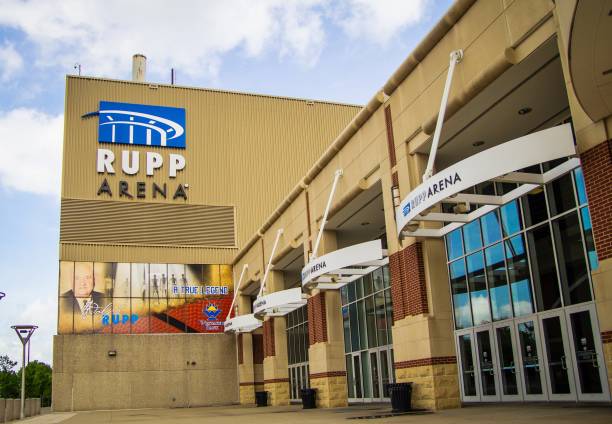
{"type": "Point", "coordinates": [236, 144]}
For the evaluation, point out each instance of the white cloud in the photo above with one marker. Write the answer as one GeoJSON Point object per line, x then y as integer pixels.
{"type": "Point", "coordinates": [191, 35]}
{"type": "Point", "coordinates": [10, 61]}
{"type": "Point", "coordinates": [379, 20]}
{"type": "Point", "coordinates": [31, 145]}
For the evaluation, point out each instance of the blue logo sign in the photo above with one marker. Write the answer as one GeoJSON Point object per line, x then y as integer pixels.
{"type": "Point", "coordinates": [211, 311]}
{"type": "Point", "coordinates": [125, 123]}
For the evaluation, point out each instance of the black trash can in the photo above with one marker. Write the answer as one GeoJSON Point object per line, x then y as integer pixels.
{"type": "Point", "coordinates": [261, 398]}
{"type": "Point", "coordinates": [309, 398]}
{"type": "Point", "coordinates": [401, 396]}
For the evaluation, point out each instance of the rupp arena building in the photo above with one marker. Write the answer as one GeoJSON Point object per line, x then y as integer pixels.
{"type": "Point", "coordinates": [454, 233]}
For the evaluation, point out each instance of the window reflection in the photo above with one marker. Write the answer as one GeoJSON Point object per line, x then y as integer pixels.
{"type": "Point", "coordinates": [560, 195]}
{"type": "Point", "coordinates": [454, 245]}
{"type": "Point", "coordinates": [534, 207]}
{"type": "Point", "coordinates": [471, 236]}
{"type": "Point", "coordinates": [588, 238]}
{"type": "Point", "coordinates": [498, 285]}
{"type": "Point", "coordinates": [491, 231]}
{"type": "Point", "coordinates": [518, 275]}
{"type": "Point", "coordinates": [461, 299]}
{"type": "Point", "coordinates": [580, 187]}
{"type": "Point", "coordinates": [478, 289]}
{"type": "Point", "coordinates": [570, 256]}
{"type": "Point", "coordinates": [511, 219]}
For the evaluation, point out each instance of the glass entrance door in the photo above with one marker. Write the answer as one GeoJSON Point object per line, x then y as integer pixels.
{"type": "Point", "coordinates": [507, 358]}
{"type": "Point", "coordinates": [587, 354]}
{"type": "Point", "coordinates": [530, 361]}
{"type": "Point", "coordinates": [467, 366]}
{"type": "Point", "coordinates": [487, 359]}
{"type": "Point", "coordinates": [560, 376]}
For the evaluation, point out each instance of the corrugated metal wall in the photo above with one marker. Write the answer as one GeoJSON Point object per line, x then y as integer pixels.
{"type": "Point", "coordinates": [243, 151]}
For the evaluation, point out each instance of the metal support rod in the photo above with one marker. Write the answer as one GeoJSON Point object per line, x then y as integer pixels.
{"type": "Point", "coordinates": [455, 57]}
{"type": "Point", "coordinates": [236, 288]}
{"type": "Point", "coordinates": [265, 277]}
{"type": "Point", "coordinates": [23, 365]}
{"type": "Point", "coordinates": [337, 176]}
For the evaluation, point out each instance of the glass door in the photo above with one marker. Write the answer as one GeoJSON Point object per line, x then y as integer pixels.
{"type": "Point", "coordinates": [467, 366]}
{"type": "Point", "coordinates": [487, 359]}
{"type": "Point", "coordinates": [356, 369]}
{"type": "Point", "coordinates": [386, 371]}
{"type": "Point", "coordinates": [589, 364]}
{"type": "Point", "coordinates": [532, 370]}
{"type": "Point", "coordinates": [557, 356]}
{"type": "Point", "coordinates": [507, 359]}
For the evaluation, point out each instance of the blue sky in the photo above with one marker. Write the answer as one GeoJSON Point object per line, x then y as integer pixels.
{"type": "Point", "coordinates": [319, 49]}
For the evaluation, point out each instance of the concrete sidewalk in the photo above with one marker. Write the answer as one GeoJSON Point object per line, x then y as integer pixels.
{"type": "Point", "coordinates": [499, 414]}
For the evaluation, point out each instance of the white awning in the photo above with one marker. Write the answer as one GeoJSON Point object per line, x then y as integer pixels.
{"type": "Point", "coordinates": [242, 324]}
{"type": "Point", "coordinates": [279, 303]}
{"type": "Point", "coordinates": [497, 164]}
{"type": "Point", "coordinates": [338, 268]}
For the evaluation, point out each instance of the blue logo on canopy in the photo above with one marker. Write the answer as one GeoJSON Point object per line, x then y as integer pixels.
{"type": "Point", "coordinates": [144, 125]}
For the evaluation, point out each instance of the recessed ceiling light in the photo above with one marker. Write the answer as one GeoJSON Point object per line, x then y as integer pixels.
{"type": "Point", "coordinates": [478, 143]}
{"type": "Point", "coordinates": [524, 111]}
{"type": "Point", "coordinates": [365, 223]}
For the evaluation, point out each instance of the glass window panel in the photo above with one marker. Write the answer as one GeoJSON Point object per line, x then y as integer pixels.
{"type": "Point", "coordinates": [545, 280]}
{"type": "Point", "coordinates": [570, 256]}
{"type": "Point", "coordinates": [366, 375]}
{"type": "Point", "coordinates": [534, 207]}
{"type": "Point", "coordinates": [487, 188]}
{"type": "Point", "coordinates": [349, 377]}
{"type": "Point", "coordinates": [354, 327]}
{"type": "Point", "coordinates": [503, 188]}
{"type": "Point", "coordinates": [381, 323]}
{"type": "Point", "coordinates": [560, 195]}
{"type": "Point", "coordinates": [518, 275]}
{"type": "Point", "coordinates": [478, 288]}
{"type": "Point", "coordinates": [471, 236]}
{"type": "Point", "coordinates": [104, 277]}
{"type": "Point", "coordinates": [361, 314]}
{"type": "Point", "coordinates": [389, 315]}
{"type": "Point", "coordinates": [367, 284]}
{"type": "Point", "coordinates": [344, 294]}
{"type": "Point", "coordinates": [377, 278]}
{"type": "Point", "coordinates": [66, 279]}
{"type": "Point", "coordinates": [67, 307]}
{"type": "Point", "coordinates": [387, 276]}
{"type": "Point", "coordinates": [359, 288]}
{"type": "Point", "coordinates": [461, 297]}
{"type": "Point", "coordinates": [580, 187]}
{"type": "Point", "coordinates": [511, 219]}
{"type": "Point", "coordinates": [588, 238]}
{"type": "Point", "coordinates": [454, 245]}
{"type": "Point", "coordinates": [347, 329]}
{"type": "Point", "coordinates": [371, 321]}
{"type": "Point", "coordinates": [491, 231]}
{"type": "Point", "coordinates": [351, 291]}
{"type": "Point", "coordinates": [498, 284]}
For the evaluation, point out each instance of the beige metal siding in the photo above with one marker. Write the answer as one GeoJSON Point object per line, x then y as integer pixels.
{"type": "Point", "coordinates": [97, 221]}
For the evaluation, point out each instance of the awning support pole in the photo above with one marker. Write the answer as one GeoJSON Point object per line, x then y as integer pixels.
{"type": "Point", "coordinates": [265, 277]}
{"type": "Point", "coordinates": [337, 176]}
{"type": "Point", "coordinates": [455, 57]}
{"type": "Point", "coordinates": [236, 289]}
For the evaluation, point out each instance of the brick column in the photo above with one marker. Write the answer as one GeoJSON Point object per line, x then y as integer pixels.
{"type": "Point", "coordinates": [423, 338]}
{"type": "Point", "coordinates": [246, 365]}
{"type": "Point", "coordinates": [275, 363]}
{"type": "Point", "coordinates": [326, 339]}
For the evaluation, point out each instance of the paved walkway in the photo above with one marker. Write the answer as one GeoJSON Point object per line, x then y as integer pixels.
{"type": "Point", "coordinates": [498, 414]}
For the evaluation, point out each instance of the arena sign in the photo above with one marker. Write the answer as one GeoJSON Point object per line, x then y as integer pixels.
{"type": "Point", "coordinates": [140, 125]}
{"type": "Point", "coordinates": [338, 268]}
{"type": "Point", "coordinates": [279, 303]}
{"type": "Point", "coordinates": [498, 163]}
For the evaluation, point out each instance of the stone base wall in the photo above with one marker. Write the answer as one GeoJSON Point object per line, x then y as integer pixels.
{"type": "Point", "coordinates": [331, 391]}
{"type": "Point", "coordinates": [247, 394]}
{"type": "Point", "coordinates": [434, 386]}
{"type": "Point", "coordinates": [278, 393]}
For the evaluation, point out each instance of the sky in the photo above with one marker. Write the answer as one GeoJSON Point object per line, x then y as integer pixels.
{"type": "Point", "coordinates": [342, 51]}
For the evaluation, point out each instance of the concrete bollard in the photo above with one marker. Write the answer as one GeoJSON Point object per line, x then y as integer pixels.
{"type": "Point", "coordinates": [27, 410]}
{"type": "Point", "coordinates": [2, 409]}
{"type": "Point", "coordinates": [37, 407]}
{"type": "Point", "coordinates": [16, 409]}
{"type": "Point", "coordinates": [8, 410]}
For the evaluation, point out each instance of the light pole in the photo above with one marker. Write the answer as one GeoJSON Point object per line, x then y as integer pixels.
{"type": "Point", "coordinates": [24, 332]}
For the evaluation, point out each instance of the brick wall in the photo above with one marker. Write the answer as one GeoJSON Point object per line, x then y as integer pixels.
{"type": "Point", "coordinates": [258, 349]}
{"type": "Point", "coordinates": [317, 320]}
{"type": "Point", "coordinates": [408, 287]}
{"type": "Point", "coordinates": [268, 338]}
{"type": "Point", "coordinates": [597, 169]}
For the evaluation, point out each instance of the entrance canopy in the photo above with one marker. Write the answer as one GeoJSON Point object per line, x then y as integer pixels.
{"type": "Point", "coordinates": [338, 268]}
{"type": "Point", "coordinates": [501, 163]}
{"type": "Point", "coordinates": [279, 303]}
{"type": "Point", "coordinates": [242, 324]}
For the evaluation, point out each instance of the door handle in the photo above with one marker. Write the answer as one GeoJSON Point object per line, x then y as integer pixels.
{"type": "Point", "coordinates": [563, 364]}
{"type": "Point", "coordinates": [594, 360]}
